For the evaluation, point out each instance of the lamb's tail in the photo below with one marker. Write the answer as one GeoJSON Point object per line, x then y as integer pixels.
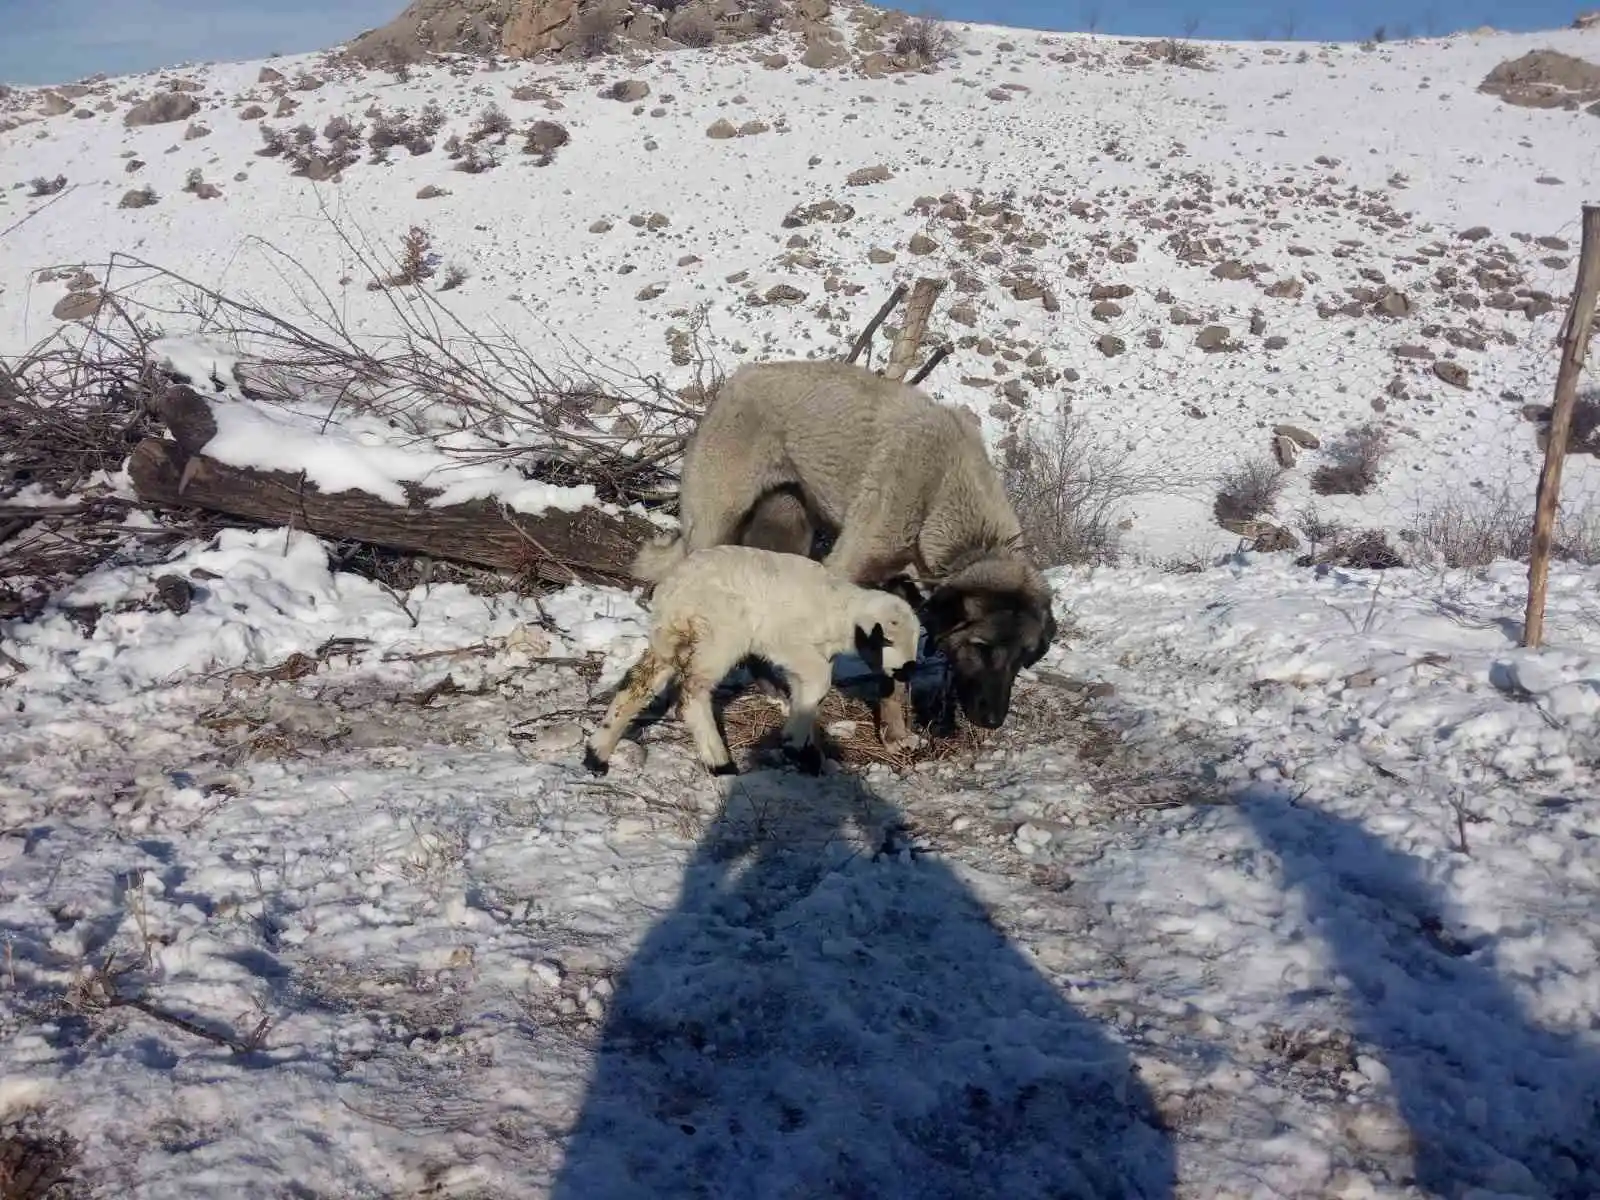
{"type": "Point", "coordinates": [656, 558]}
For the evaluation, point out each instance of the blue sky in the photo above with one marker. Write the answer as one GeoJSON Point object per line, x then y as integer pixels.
{"type": "Point", "coordinates": [53, 41]}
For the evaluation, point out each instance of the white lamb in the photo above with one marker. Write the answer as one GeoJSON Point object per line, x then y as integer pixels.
{"type": "Point", "coordinates": [723, 603]}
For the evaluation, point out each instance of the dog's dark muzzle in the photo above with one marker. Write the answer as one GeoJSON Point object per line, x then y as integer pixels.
{"type": "Point", "coordinates": [986, 702]}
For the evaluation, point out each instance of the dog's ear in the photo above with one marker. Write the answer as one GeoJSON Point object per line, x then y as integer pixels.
{"type": "Point", "coordinates": [1047, 635]}
{"type": "Point", "coordinates": [906, 589]}
{"type": "Point", "coordinates": [870, 647]}
{"type": "Point", "coordinates": [943, 611]}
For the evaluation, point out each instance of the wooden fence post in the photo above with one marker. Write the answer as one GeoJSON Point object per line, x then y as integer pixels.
{"type": "Point", "coordinates": [1574, 349]}
{"type": "Point", "coordinates": [918, 310]}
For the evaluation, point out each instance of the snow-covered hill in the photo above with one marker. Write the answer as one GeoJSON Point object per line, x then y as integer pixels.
{"type": "Point", "coordinates": [1283, 881]}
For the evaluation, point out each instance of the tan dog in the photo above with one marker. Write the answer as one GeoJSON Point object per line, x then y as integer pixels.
{"type": "Point", "coordinates": [790, 447]}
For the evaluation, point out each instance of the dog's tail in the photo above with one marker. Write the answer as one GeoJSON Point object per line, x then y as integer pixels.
{"type": "Point", "coordinates": [656, 558]}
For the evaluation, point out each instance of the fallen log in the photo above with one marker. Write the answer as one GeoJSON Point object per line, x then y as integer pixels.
{"type": "Point", "coordinates": [554, 546]}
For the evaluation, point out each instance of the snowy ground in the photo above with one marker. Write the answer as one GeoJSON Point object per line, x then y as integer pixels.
{"type": "Point", "coordinates": [1329, 885]}
{"type": "Point", "coordinates": [1282, 883]}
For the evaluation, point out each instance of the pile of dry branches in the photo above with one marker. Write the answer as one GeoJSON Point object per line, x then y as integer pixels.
{"type": "Point", "coordinates": [76, 404]}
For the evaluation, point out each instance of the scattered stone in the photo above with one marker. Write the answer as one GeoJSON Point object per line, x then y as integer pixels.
{"type": "Point", "coordinates": [1106, 310]}
{"type": "Point", "coordinates": [1265, 538]}
{"type": "Point", "coordinates": [1110, 291]}
{"type": "Point", "coordinates": [1214, 338]}
{"type": "Point", "coordinates": [161, 110]}
{"type": "Point", "coordinates": [963, 314]}
{"type": "Point", "coordinates": [1285, 451]}
{"type": "Point", "coordinates": [921, 244]}
{"type": "Point", "coordinates": [784, 293]}
{"type": "Point", "coordinates": [252, 112]}
{"type": "Point", "coordinates": [78, 306]}
{"type": "Point", "coordinates": [544, 138]}
{"type": "Point", "coordinates": [175, 593]}
{"type": "Point", "coordinates": [137, 198]}
{"type": "Point", "coordinates": [430, 192]}
{"type": "Point", "coordinates": [1110, 345]}
{"type": "Point", "coordinates": [822, 210]}
{"type": "Point", "coordinates": [628, 91]}
{"type": "Point", "coordinates": [1452, 373]}
{"type": "Point", "coordinates": [1306, 441]}
{"type": "Point", "coordinates": [651, 291]}
{"type": "Point", "coordinates": [880, 256]}
{"type": "Point", "coordinates": [751, 128]}
{"type": "Point", "coordinates": [1276, 342]}
{"type": "Point", "coordinates": [863, 176]}
{"type": "Point", "coordinates": [1476, 234]}
{"type": "Point", "coordinates": [721, 129]}
{"type": "Point", "coordinates": [1393, 303]}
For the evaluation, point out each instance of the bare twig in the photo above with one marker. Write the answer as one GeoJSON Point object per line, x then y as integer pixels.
{"type": "Point", "coordinates": [865, 340]}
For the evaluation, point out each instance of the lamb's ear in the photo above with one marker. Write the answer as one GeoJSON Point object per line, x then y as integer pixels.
{"type": "Point", "coordinates": [1047, 635]}
{"type": "Point", "coordinates": [870, 647]}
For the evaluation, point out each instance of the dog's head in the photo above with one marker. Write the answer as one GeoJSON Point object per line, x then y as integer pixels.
{"type": "Point", "coordinates": [886, 636]}
{"type": "Point", "coordinates": [990, 624]}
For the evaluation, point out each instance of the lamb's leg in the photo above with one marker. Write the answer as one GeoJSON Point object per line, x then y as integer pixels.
{"type": "Point", "coordinates": [694, 709]}
{"type": "Point", "coordinates": [645, 680]}
{"type": "Point", "coordinates": [893, 729]}
{"type": "Point", "coordinates": [810, 679]}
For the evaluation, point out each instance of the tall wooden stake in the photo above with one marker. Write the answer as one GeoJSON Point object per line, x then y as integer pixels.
{"type": "Point", "coordinates": [1574, 348]}
{"type": "Point", "coordinates": [918, 309]}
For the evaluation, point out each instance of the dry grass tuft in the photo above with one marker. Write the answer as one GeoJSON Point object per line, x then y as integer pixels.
{"type": "Point", "coordinates": [1250, 490]}
{"type": "Point", "coordinates": [926, 41]}
{"type": "Point", "coordinates": [1357, 462]}
{"type": "Point", "coordinates": [692, 27]}
{"type": "Point", "coordinates": [1069, 491]}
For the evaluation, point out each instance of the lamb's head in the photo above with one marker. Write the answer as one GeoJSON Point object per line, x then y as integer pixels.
{"type": "Point", "coordinates": [886, 634]}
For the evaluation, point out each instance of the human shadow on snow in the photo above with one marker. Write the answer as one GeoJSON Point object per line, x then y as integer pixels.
{"type": "Point", "coordinates": [814, 1019]}
{"type": "Point", "coordinates": [1492, 1099]}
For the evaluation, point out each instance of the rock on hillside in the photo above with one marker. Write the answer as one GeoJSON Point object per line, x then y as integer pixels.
{"type": "Point", "coordinates": [525, 28]}
{"type": "Point", "coordinates": [1545, 79]}
{"type": "Point", "coordinates": [440, 26]}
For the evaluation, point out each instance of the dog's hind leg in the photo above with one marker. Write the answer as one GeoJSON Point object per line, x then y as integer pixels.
{"type": "Point", "coordinates": [779, 521]}
{"type": "Point", "coordinates": [645, 680]}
